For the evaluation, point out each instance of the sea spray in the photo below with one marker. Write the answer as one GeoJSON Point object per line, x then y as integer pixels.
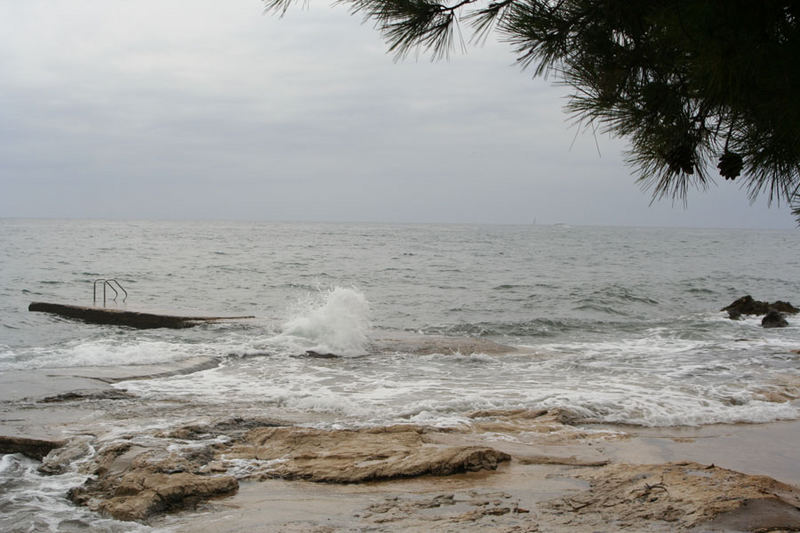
{"type": "Point", "coordinates": [336, 322]}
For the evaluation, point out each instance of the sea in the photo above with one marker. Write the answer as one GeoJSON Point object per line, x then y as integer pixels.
{"type": "Point", "coordinates": [353, 323]}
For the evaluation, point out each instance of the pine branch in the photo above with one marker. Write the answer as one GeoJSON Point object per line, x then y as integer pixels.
{"type": "Point", "coordinates": [410, 24]}
{"type": "Point", "coordinates": [485, 20]}
{"type": "Point", "coordinates": [693, 84]}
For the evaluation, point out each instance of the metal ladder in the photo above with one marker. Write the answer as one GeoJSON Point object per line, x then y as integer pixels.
{"type": "Point", "coordinates": [108, 283]}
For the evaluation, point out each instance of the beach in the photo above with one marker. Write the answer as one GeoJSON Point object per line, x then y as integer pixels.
{"type": "Point", "coordinates": [398, 377]}
{"type": "Point", "coordinates": [548, 472]}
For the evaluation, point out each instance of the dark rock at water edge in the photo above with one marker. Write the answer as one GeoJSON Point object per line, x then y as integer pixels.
{"type": "Point", "coordinates": [120, 317]}
{"type": "Point", "coordinates": [746, 305]}
{"type": "Point", "coordinates": [33, 448]}
{"type": "Point", "coordinates": [774, 319]}
{"type": "Point", "coordinates": [130, 482]}
{"type": "Point", "coordinates": [320, 355]}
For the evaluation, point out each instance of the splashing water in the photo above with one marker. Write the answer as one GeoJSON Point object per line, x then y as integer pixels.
{"type": "Point", "coordinates": [336, 323]}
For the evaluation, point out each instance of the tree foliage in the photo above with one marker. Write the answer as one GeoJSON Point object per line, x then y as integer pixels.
{"type": "Point", "coordinates": [698, 87]}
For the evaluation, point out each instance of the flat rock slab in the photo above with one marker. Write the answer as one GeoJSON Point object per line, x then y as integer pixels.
{"type": "Point", "coordinates": [683, 494]}
{"type": "Point", "coordinates": [353, 456]}
{"type": "Point", "coordinates": [119, 317]}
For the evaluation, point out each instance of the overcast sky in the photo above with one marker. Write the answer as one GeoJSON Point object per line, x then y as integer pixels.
{"type": "Point", "coordinates": [211, 109]}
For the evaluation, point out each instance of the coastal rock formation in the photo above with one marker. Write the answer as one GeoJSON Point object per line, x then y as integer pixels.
{"type": "Point", "coordinates": [350, 456]}
{"type": "Point", "coordinates": [684, 495]}
{"type": "Point", "coordinates": [133, 483]}
{"type": "Point", "coordinates": [33, 448]}
{"type": "Point", "coordinates": [59, 459]}
{"type": "Point", "coordinates": [746, 305]}
{"type": "Point", "coordinates": [140, 494]}
{"type": "Point", "coordinates": [774, 319]}
{"type": "Point", "coordinates": [174, 469]}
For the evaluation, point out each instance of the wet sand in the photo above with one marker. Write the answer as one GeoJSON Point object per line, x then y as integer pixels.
{"type": "Point", "coordinates": [560, 475]}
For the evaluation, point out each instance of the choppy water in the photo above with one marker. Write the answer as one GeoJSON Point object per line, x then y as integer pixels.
{"type": "Point", "coordinates": [617, 324]}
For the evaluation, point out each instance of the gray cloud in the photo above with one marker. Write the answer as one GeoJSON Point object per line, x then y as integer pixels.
{"type": "Point", "coordinates": [207, 109]}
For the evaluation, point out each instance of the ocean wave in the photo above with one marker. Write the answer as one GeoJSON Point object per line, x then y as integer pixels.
{"type": "Point", "coordinates": [334, 321]}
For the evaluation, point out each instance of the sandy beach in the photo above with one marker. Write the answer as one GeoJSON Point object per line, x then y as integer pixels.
{"type": "Point", "coordinates": [175, 467]}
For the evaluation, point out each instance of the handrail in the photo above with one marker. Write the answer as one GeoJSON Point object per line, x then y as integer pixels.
{"type": "Point", "coordinates": [120, 288]}
{"type": "Point", "coordinates": [107, 283]}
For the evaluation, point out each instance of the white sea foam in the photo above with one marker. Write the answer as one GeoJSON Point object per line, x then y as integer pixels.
{"type": "Point", "coordinates": [636, 381]}
{"type": "Point", "coordinates": [337, 322]}
{"type": "Point", "coordinates": [30, 501]}
{"type": "Point", "coordinates": [107, 352]}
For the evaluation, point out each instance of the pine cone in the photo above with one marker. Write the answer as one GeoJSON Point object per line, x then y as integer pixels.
{"type": "Point", "coordinates": [730, 165]}
{"type": "Point", "coordinates": [681, 158]}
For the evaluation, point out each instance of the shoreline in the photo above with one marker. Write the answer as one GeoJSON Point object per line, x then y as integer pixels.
{"type": "Point", "coordinates": [520, 495]}
{"type": "Point", "coordinates": [515, 470]}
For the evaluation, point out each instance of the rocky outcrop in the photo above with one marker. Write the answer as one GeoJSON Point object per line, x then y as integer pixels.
{"type": "Point", "coordinates": [746, 305]}
{"type": "Point", "coordinates": [350, 456]}
{"type": "Point", "coordinates": [774, 319]}
{"type": "Point", "coordinates": [33, 448]}
{"type": "Point", "coordinates": [59, 460]}
{"type": "Point", "coordinates": [140, 494]}
{"type": "Point", "coordinates": [133, 483]}
{"type": "Point", "coordinates": [685, 495]}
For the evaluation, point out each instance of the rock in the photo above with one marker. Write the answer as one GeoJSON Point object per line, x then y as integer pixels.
{"type": "Point", "coordinates": [351, 456]}
{"type": "Point", "coordinates": [141, 494]}
{"type": "Point", "coordinates": [232, 427]}
{"type": "Point", "coordinates": [59, 459]}
{"type": "Point", "coordinates": [746, 305]}
{"type": "Point", "coordinates": [684, 495]}
{"type": "Point", "coordinates": [33, 448]}
{"type": "Point", "coordinates": [320, 355]}
{"type": "Point", "coordinates": [774, 319]}
{"type": "Point", "coordinates": [82, 395]}
{"type": "Point", "coordinates": [784, 307]}
{"type": "Point", "coordinates": [133, 483]}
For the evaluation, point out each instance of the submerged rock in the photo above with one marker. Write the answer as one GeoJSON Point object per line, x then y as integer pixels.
{"type": "Point", "coordinates": [774, 319]}
{"type": "Point", "coordinates": [435, 344]}
{"type": "Point", "coordinates": [746, 305]}
{"type": "Point", "coordinates": [320, 355]}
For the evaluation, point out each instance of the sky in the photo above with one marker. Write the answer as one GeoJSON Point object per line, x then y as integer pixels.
{"type": "Point", "coordinates": [202, 109]}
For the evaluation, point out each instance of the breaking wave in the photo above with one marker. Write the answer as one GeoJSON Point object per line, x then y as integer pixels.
{"type": "Point", "coordinates": [335, 322]}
